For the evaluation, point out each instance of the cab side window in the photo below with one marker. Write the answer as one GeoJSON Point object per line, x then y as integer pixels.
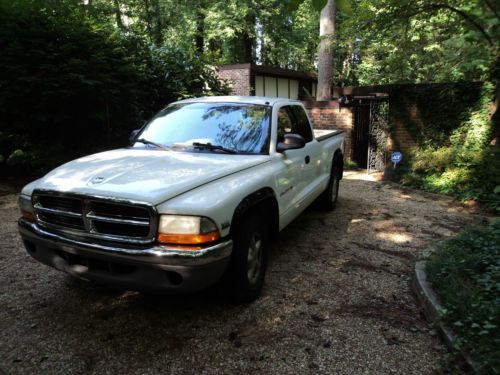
{"type": "Point", "coordinates": [293, 119]}
{"type": "Point", "coordinates": [303, 128]}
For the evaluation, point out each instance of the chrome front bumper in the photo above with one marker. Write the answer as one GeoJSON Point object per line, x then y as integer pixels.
{"type": "Point", "coordinates": [152, 268]}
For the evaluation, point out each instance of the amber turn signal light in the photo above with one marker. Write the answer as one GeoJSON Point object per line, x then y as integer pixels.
{"type": "Point", "coordinates": [188, 239]}
{"type": "Point", "coordinates": [28, 215]}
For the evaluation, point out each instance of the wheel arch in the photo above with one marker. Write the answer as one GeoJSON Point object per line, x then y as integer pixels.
{"type": "Point", "coordinates": [338, 162]}
{"type": "Point", "coordinates": [262, 201]}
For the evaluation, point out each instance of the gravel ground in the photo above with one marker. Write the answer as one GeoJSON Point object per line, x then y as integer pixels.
{"type": "Point", "coordinates": [337, 300]}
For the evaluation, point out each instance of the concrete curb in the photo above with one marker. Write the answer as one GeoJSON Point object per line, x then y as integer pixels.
{"type": "Point", "coordinates": [432, 310]}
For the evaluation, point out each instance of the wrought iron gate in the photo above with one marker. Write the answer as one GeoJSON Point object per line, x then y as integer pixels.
{"type": "Point", "coordinates": [371, 130]}
{"type": "Point", "coordinates": [377, 134]}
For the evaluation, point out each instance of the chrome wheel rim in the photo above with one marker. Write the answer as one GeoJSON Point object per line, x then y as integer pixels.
{"type": "Point", "coordinates": [254, 259]}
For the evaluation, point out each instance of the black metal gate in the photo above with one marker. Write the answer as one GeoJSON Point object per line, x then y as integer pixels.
{"type": "Point", "coordinates": [371, 125]}
{"type": "Point", "coordinates": [360, 134]}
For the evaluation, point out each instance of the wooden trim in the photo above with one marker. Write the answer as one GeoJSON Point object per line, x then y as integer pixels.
{"type": "Point", "coordinates": [320, 104]}
{"type": "Point", "coordinates": [234, 66]}
{"type": "Point", "coordinates": [270, 71]}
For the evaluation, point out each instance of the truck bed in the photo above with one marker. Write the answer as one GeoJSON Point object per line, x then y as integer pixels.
{"type": "Point", "coordinates": [322, 134]}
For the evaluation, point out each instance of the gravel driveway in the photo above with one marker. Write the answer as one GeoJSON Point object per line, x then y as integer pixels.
{"type": "Point", "coordinates": [337, 300]}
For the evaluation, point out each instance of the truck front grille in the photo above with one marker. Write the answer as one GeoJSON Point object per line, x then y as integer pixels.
{"type": "Point", "coordinates": [101, 218]}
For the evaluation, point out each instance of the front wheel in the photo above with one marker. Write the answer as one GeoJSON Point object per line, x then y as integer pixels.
{"type": "Point", "coordinates": [247, 268]}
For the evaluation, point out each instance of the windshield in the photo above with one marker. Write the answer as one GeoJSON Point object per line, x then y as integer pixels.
{"type": "Point", "coordinates": [242, 128]}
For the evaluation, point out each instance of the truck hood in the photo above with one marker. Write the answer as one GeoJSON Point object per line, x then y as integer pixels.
{"type": "Point", "coordinates": [152, 176]}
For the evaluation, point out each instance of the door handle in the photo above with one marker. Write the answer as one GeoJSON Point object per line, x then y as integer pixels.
{"type": "Point", "coordinates": [308, 159]}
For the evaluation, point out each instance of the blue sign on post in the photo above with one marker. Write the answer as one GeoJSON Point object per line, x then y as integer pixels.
{"type": "Point", "coordinates": [396, 157]}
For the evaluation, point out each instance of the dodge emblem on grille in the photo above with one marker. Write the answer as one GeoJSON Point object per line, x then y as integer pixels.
{"type": "Point", "coordinates": [96, 180]}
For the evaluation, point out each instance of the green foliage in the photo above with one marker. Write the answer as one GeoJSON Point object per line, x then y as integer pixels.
{"type": "Point", "coordinates": [465, 272]}
{"type": "Point", "coordinates": [453, 130]}
{"type": "Point", "coordinates": [350, 165]}
{"type": "Point", "coordinates": [72, 86]}
{"type": "Point", "coordinates": [415, 41]}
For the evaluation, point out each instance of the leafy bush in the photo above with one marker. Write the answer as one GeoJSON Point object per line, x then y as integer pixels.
{"type": "Point", "coordinates": [465, 272]}
{"type": "Point", "coordinates": [71, 86]}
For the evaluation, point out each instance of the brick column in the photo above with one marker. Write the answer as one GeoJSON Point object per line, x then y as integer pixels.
{"type": "Point", "coordinates": [328, 115]}
{"type": "Point", "coordinates": [239, 80]}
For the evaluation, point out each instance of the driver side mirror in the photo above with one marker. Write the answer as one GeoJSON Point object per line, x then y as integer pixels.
{"type": "Point", "coordinates": [133, 135]}
{"type": "Point", "coordinates": [291, 142]}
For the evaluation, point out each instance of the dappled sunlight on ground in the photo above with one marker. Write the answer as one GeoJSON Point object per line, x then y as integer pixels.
{"type": "Point", "coordinates": [395, 237]}
{"type": "Point", "coordinates": [363, 176]}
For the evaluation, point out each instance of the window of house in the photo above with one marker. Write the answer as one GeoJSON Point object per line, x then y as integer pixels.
{"type": "Point", "coordinates": [276, 87]}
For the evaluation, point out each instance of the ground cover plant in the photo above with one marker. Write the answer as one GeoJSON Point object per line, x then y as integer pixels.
{"type": "Point", "coordinates": [465, 272]}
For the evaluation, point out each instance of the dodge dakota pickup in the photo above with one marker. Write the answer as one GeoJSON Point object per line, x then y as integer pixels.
{"type": "Point", "coordinates": [195, 198]}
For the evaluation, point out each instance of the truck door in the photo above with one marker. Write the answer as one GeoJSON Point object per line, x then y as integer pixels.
{"type": "Point", "coordinates": [298, 169]}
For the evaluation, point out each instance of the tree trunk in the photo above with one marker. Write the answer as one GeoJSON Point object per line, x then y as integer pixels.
{"type": "Point", "coordinates": [248, 43]}
{"type": "Point", "coordinates": [87, 5]}
{"type": "Point", "coordinates": [200, 31]}
{"type": "Point", "coordinates": [118, 14]}
{"type": "Point", "coordinates": [158, 29]}
{"type": "Point", "coordinates": [248, 38]}
{"type": "Point", "coordinates": [325, 54]}
{"type": "Point", "coordinates": [147, 19]}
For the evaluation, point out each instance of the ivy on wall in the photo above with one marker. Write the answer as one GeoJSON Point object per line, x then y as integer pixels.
{"type": "Point", "coordinates": [452, 128]}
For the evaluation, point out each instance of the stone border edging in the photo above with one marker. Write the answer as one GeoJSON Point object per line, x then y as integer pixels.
{"type": "Point", "coordinates": [432, 310]}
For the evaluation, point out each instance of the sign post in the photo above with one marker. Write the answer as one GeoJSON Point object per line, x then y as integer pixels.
{"type": "Point", "coordinates": [396, 157]}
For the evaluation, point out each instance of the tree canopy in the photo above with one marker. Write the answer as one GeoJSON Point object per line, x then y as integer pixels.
{"type": "Point", "coordinates": [76, 68]}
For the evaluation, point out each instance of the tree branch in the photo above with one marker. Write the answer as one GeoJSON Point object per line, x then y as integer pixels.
{"type": "Point", "coordinates": [468, 18]}
{"type": "Point", "coordinates": [433, 7]}
{"type": "Point", "coordinates": [492, 7]}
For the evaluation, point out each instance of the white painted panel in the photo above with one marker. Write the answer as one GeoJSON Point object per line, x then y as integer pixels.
{"type": "Point", "coordinates": [294, 89]}
{"type": "Point", "coordinates": [283, 88]}
{"type": "Point", "coordinates": [259, 86]}
{"type": "Point", "coordinates": [270, 85]}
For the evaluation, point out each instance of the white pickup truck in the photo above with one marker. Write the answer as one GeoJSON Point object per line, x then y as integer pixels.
{"type": "Point", "coordinates": [194, 199]}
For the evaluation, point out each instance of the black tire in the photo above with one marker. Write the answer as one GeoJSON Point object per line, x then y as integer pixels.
{"type": "Point", "coordinates": [246, 272]}
{"type": "Point", "coordinates": [328, 199]}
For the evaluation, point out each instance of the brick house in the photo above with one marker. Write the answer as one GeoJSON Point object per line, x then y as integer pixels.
{"type": "Point", "coordinates": [258, 80]}
{"type": "Point", "coordinates": [251, 79]}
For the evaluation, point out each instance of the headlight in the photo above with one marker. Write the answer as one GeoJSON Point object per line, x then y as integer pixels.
{"type": "Point", "coordinates": [26, 208]}
{"type": "Point", "coordinates": [186, 230]}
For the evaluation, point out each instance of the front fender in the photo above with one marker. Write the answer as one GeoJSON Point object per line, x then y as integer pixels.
{"type": "Point", "coordinates": [218, 200]}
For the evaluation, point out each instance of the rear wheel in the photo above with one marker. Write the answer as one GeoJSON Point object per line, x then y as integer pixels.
{"type": "Point", "coordinates": [328, 199]}
{"type": "Point", "coordinates": [247, 269]}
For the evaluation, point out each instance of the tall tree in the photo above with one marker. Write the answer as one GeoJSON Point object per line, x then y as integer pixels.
{"type": "Point", "coordinates": [200, 31]}
{"type": "Point", "coordinates": [325, 54]}
{"type": "Point", "coordinates": [158, 24]}
{"type": "Point", "coordinates": [118, 14]}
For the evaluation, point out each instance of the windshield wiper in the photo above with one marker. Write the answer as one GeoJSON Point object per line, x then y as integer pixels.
{"type": "Point", "coordinates": [211, 147]}
{"type": "Point", "coordinates": [148, 142]}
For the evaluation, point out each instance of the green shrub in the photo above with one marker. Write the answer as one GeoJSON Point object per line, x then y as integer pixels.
{"type": "Point", "coordinates": [455, 158]}
{"type": "Point", "coordinates": [465, 272]}
{"type": "Point", "coordinates": [71, 86]}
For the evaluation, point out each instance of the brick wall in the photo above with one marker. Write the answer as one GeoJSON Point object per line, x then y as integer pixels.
{"type": "Point", "coordinates": [328, 115]}
{"type": "Point", "coordinates": [399, 138]}
{"type": "Point", "coordinates": [409, 115]}
{"type": "Point", "coordinates": [238, 78]}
